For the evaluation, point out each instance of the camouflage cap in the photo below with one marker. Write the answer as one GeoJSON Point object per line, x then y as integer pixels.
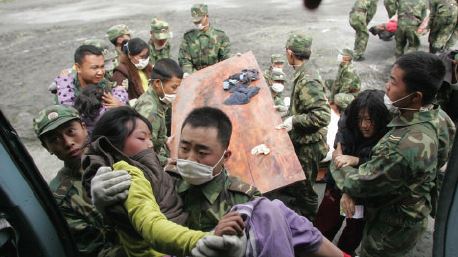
{"type": "Point", "coordinates": [278, 75]}
{"type": "Point", "coordinates": [277, 58]}
{"type": "Point", "coordinates": [342, 100]}
{"type": "Point", "coordinates": [160, 29]}
{"type": "Point", "coordinates": [117, 31]}
{"type": "Point", "coordinates": [52, 117]}
{"type": "Point", "coordinates": [346, 52]}
{"type": "Point", "coordinates": [198, 11]}
{"type": "Point", "coordinates": [299, 43]}
{"type": "Point", "coordinates": [108, 54]}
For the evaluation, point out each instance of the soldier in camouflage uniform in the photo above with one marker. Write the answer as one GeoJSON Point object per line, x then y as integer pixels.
{"type": "Point", "coordinates": [391, 7]}
{"type": "Point", "coordinates": [278, 78]}
{"type": "Point", "coordinates": [203, 46]}
{"type": "Point", "coordinates": [62, 133]}
{"type": "Point", "coordinates": [276, 63]}
{"type": "Point", "coordinates": [204, 141]}
{"type": "Point", "coordinates": [159, 42]}
{"type": "Point", "coordinates": [110, 56]}
{"type": "Point", "coordinates": [442, 22]}
{"type": "Point", "coordinates": [310, 114]}
{"type": "Point", "coordinates": [154, 103]}
{"type": "Point", "coordinates": [410, 15]}
{"type": "Point", "coordinates": [397, 182]}
{"type": "Point", "coordinates": [347, 80]}
{"type": "Point", "coordinates": [117, 34]}
{"type": "Point", "coordinates": [360, 15]}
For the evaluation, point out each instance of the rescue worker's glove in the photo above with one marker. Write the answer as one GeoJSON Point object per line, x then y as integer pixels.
{"type": "Point", "coordinates": [287, 124]}
{"type": "Point", "coordinates": [109, 187]}
{"type": "Point", "coordinates": [216, 246]}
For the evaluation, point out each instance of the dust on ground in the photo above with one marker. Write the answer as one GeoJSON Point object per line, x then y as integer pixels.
{"type": "Point", "coordinates": [38, 39]}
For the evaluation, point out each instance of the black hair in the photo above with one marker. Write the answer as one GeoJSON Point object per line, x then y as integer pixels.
{"type": "Point", "coordinates": [423, 72]}
{"type": "Point", "coordinates": [372, 101]}
{"type": "Point", "coordinates": [209, 117]}
{"type": "Point", "coordinates": [165, 69]}
{"type": "Point", "coordinates": [89, 102]}
{"type": "Point", "coordinates": [114, 125]}
{"type": "Point", "coordinates": [84, 50]}
{"type": "Point", "coordinates": [134, 46]}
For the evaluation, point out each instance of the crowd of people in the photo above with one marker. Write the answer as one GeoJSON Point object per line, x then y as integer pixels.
{"type": "Point", "coordinates": [123, 195]}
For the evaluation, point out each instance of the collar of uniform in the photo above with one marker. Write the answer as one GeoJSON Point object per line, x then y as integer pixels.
{"type": "Point", "coordinates": [161, 106]}
{"type": "Point", "coordinates": [102, 84]}
{"type": "Point", "coordinates": [208, 31]}
{"type": "Point", "coordinates": [417, 117]}
{"type": "Point", "coordinates": [211, 190]}
{"type": "Point", "coordinates": [301, 69]}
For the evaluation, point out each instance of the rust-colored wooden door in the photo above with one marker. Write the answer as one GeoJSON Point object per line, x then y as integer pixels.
{"type": "Point", "coordinates": [253, 124]}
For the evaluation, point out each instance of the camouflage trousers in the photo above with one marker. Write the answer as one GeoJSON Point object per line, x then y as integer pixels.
{"type": "Point", "coordinates": [300, 196]}
{"type": "Point", "coordinates": [358, 21]}
{"type": "Point", "coordinates": [385, 240]}
{"type": "Point", "coordinates": [406, 36]}
{"type": "Point", "coordinates": [453, 38]}
{"type": "Point", "coordinates": [391, 7]}
{"type": "Point", "coordinates": [442, 28]}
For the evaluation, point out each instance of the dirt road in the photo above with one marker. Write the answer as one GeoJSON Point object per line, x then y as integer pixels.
{"type": "Point", "coordinates": [38, 38]}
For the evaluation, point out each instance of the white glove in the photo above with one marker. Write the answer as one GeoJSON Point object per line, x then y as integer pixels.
{"type": "Point", "coordinates": [260, 149]}
{"type": "Point", "coordinates": [109, 187]}
{"type": "Point", "coordinates": [287, 124]}
{"type": "Point", "coordinates": [216, 246]}
{"type": "Point", "coordinates": [185, 75]}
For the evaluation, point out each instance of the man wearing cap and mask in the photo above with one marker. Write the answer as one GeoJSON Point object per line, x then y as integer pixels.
{"type": "Point", "coordinates": [63, 134]}
{"type": "Point", "coordinates": [110, 56]}
{"type": "Point", "coordinates": [117, 34]}
{"type": "Point", "coordinates": [278, 85]}
{"type": "Point", "coordinates": [204, 45]}
{"type": "Point", "coordinates": [347, 80]}
{"type": "Point", "coordinates": [276, 63]}
{"type": "Point", "coordinates": [309, 115]}
{"type": "Point", "coordinates": [159, 42]}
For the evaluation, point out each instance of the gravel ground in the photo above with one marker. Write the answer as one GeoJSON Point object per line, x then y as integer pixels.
{"type": "Point", "coordinates": [38, 39]}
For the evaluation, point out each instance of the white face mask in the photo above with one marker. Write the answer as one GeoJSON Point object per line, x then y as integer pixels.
{"type": "Point", "coordinates": [142, 63]}
{"type": "Point", "coordinates": [394, 109]}
{"type": "Point", "coordinates": [278, 87]}
{"type": "Point", "coordinates": [167, 98]}
{"type": "Point", "coordinates": [339, 58]}
{"type": "Point", "coordinates": [276, 69]}
{"type": "Point", "coordinates": [196, 173]}
{"type": "Point", "coordinates": [199, 26]}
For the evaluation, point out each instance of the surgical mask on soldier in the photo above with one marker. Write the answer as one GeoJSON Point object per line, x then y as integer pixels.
{"type": "Point", "coordinates": [196, 173]}
{"type": "Point", "coordinates": [394, 109]}
{"type": "Point", "coordinates": [276, 69]}
{"type": "Point", "coordinates": [199, 26]}
{"type": "Point", "coordinates": [142, 63]}
{"type": "Point", "coordinates": [167, 98]}
{"type": "Point", "coordinates": [278, 87]}
{"type": "Point", "coordinates": [339, 58]}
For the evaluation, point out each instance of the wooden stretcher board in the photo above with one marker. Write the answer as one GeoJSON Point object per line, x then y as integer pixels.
{"type": "Point", "coordinates": [252, 124]}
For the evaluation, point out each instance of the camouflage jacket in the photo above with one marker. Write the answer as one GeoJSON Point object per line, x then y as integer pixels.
{"type": "Point", "coordinates": [411, 12]}
{"type": "Point", "coordinates": [268, 76]}
{"type": "Point", "coordinates": [207, 203]}
{"type": "Point", "coordinates": [200, 49]}
{"type": "Point", "coordinates": [391, 7]}
{"type": "Point", "coordinates": [309, 107]}
{"type": "Point", "coordinates": [398, 179]}
{"type": "Point", "coordinates": [347, 81]}
{"type": "Point", "coordinates": [156, 55]}
{"type": "Point", "coordinates": [442, 9]}
{"type": "Point", "coordinates": [366, 6]}
{"type": "Point", "coordinates": [278, 100]}
{"type": "Point", "coordinates": [153, 109]}
{"type": "Point", "coordinates": [91, 236]}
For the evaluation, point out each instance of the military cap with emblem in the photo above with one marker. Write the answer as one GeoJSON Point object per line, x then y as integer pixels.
{"type": "Point", "coordinates": [299, 43]}
{"type": "Point", "coordinates": [52, 117]}
{"type": "Point", "coordinates": [117, 31]}
{"type": "Point", "coordinates": [346, 52]}
{"type": "Point", "coordinates": [198, 11]}
{"type": "Point", "coordinates": [160, 29]}
{"type": "Point", "coordinates": [108, 54]}
{"type": "Point", "coordinates": [277, 58]}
